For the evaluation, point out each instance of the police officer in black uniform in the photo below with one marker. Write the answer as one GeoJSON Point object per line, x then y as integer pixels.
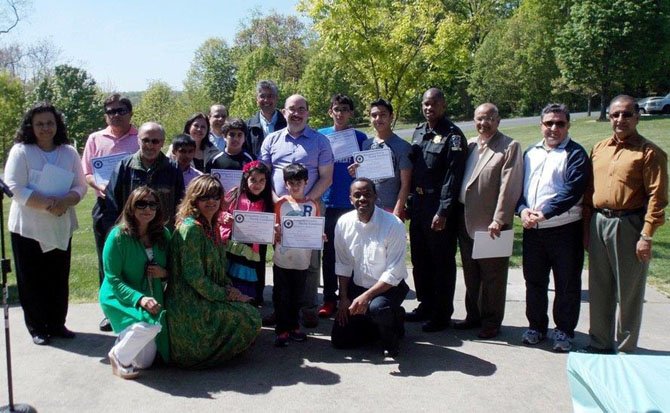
{"type": "Point", "coordinates": [439, 156]}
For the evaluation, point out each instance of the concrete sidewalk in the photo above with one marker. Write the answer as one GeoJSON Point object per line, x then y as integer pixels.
{"type": "Point", "coordinates": [450, 370]}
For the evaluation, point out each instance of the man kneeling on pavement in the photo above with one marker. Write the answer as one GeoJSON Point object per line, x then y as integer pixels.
{"type": "Point", "coordinates": [370, 246]}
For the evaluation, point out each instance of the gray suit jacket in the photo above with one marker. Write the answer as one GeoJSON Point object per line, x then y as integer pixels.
{"type": "Point", "coordinates": [495, 186]}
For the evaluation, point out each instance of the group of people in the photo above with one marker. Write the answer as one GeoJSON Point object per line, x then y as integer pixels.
{"type": "Point", "coordinates": [174, 282]}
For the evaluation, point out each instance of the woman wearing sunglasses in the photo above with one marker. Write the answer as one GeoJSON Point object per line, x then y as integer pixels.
{"type": "Point", "coordinates": [210, 321]}
{"type": "Point", "coordinates": [131, 295]}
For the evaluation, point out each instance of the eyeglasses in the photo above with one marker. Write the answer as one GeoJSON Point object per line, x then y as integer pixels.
{"type": "Point", "coordinates": [300, 110]}
{"type": "Point", "coordinates": [147, 141]}
{"type": "Point", "coordinates": [142, 204]}
{"type": "Point", "coordinates": [559, 124]}
{"type": "Point", "coordinates": [485, 119]}
{"type": "Point", "coordinates": [210, 197]}
{"type": "Point", "coordinates": [117, 111]}
{"type": "Point", "coordinates": [625, 115]}
{"type": "Point", "coordinates": [45, 125]}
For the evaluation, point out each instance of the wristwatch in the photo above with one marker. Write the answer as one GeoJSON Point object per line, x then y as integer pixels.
{"type": "Point", "coordinates": [645, 237]}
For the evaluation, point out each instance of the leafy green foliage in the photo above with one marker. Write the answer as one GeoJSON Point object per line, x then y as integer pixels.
{"type": "Point", "coordinates": [12, 100]}
{"type": "Point", "coordinates": [211, 78]}
{"type": "Point", "coordinates": [160, 104]}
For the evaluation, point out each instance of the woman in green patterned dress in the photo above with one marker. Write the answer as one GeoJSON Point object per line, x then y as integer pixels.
{"type": "Point", "coordinates": [209, 320]}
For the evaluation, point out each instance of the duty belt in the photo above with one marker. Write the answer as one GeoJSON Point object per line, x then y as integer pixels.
{"type": "Point", "coordinates": [423, 191]}
{"type": "Point", "coordinates": [618, 213]}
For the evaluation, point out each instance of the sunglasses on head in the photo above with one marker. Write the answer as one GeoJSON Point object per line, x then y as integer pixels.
{"type": "Point", "coordinates": [559, 124]}
{"type": "Point", "coordinates": [209, 197]}
{"type": "Point", "coordinates": [117, 111]}
{"type": "Point", "coordinates": [142, 204]}
{"type": "Point", "coordinates": [154, 141]}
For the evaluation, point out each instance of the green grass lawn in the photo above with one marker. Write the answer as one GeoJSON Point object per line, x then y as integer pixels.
{"type": "Point", "coordinates": [84, 278]}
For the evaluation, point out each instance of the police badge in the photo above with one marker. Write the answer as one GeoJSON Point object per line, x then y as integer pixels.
{"type": "Point", "coordinates": [456, 143]}
{"type": "Point", "coordinates": [438, 139]}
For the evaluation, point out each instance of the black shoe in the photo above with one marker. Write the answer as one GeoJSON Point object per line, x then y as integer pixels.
{"type": "Point", "coordinates": [400, 323]}
{"type": "Point", "coordinates": [62, 332]}
{"type": "Point", "coordinates": [392, 346]}
{"type": "Point", "coordinates": [594, 350]}
{"type": "Point", "coordinates": [433, 326]}
{"type": "Point", "coordinates": [269, 320]}
{"type": "Point", "coordinates": [105, 325]}
{"type": "Point", "coordinates": [40, 339]}
{"type": "Point", "coordinates": [418, 314]}
{"type": "Point", "coordinates": [466, 324]}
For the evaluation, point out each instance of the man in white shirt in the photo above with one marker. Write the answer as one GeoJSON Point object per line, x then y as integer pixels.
{"type": "Point", "coordinates": [217, 118]}
{"type": "Point", "coordinates": [370, 246]}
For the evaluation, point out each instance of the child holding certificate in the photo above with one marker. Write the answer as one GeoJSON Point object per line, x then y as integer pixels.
{"type": "Point", "coordinates": [290, 264]}
{"type": "Point", "coordinates": [253, 194]}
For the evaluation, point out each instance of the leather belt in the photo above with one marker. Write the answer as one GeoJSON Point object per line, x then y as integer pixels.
{"type": "Point", "coordinates": [618, 213]}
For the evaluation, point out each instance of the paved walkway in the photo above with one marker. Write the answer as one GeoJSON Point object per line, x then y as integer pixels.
{"type": "Point", "coordinates": [450, 370]}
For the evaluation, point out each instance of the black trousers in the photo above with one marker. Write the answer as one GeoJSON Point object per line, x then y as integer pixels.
{"type": "Point", "coordinates": [42, 281]}
{"type": "Point", "coordinates": [328, 258]}
{"type": "Point", "coordinates": [382, 321]}
{"type": "Point", "coordinates": [560, 250]}
{"type": "Point", "coordinates": [433, 258]}
{"type": "Point", "coordinates": [260, 273]}
{"type": "Point", "coordinates": [100, 231]}
{"type": "Point", "coordinates": [289, 287]}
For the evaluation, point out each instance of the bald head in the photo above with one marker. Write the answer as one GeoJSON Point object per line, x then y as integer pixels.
{"type": "Point", "coordinates": [151, 137]}
{"type": "Point", "coordinates": [487, 120]}
{"type": "Point", "coordinates": [296, 112]}
{"type": "Point", "coordinates": [153, 128]}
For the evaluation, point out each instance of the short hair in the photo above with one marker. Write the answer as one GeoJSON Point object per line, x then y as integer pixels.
{"type": "Point", "coordinates": [626, 98]}
{"type": "Point", "coordinates": [181, 141]}
{"type": "Point", "coordinates": [26, 133]}
{"type": "Point", "coordinates": [202, 185]}
{"type": "Point", "coordinates": [235, 123]}
{"type": "Point", "coordinates": [225, 109]}
{"type": "Point", "coordinates": [152, 126]}
{"type": "Point", "coordinates": [556, 108]}
{"type": "Point", "coordinates": [128, 224]}
{"type": "Point", "coordinates": [368, 181]}
{"type": "Point", "coordinates": [187, 128]}
{"type": "Point", "coordinates": [120, 99]}
{"type": "Point", "coordinates": [383, 103]}
{"type": "Point", "coordinates": [295, 172]}
{"type": "Point", "coordinates": [437, 93]}
{"type": "Point", "coordinates": [340, 99]}
{"type": "Point", "coordinates": [267, 84]}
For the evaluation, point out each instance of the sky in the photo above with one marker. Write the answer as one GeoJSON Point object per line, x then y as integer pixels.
{"type": "Point", "coordinates": [124, 44]}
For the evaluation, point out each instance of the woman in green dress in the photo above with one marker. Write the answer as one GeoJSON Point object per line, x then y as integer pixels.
{"type": "Point", "coordinates": [131, 295]}
{"type": "Point", "coordinates": [209, 320]}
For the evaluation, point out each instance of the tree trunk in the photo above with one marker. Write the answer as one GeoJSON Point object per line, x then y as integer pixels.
{"type": "Point", "coordinates": [603, 105]}
{"type": "Point", "coordinates": [588, 106]}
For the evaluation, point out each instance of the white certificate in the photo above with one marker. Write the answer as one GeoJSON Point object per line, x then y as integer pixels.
{"type": "Point", "coordinates": [343, 143]}
{"type": "Point", "coordinates": [104, 166]}
{"type": "Point", "coordinates": [374, 164]}
{"type": "Point", "coordinates": [253, 227]}
{"type": "Point", "coordinates": [302, 232]}
{"type": "Point", "coordinates": [485, 247]}
{"type": "Point", "coordinates": [229, 178]}
{"type": "Point", "coordinates": [54, 181]}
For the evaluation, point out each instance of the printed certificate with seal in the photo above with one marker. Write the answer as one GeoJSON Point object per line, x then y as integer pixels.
{"type": "Point", "coordinates": [229, 178]}
{"type": "Point", "coordinates": [343, 144]}
{"type": "Point", "coordinates": [374, 164]}
{"type": "Point", "coordinates": [302, 232]}
{"type": "Point", "coordinates": [253, 227]}
{"type": "Point", "coordinates": [103, 167]}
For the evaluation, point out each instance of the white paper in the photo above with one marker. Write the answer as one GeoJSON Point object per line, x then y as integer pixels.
{"type": "Point", "coordinates": [103, 167]}
{"type": "Point", "coordinates": [253, 227]}
{"type": "Point", "coordinates": [54, 181]}
{"type": "Point", "coordinates": [229, 178]}
{"type": "Point", "coordinates": [374, 164]}
{"type": "Point", "coordinates": [302, 232]}
{"type": "Point", "coordinates": [343, 143]}
{"type": "Point", "coordinates": [485, 247]}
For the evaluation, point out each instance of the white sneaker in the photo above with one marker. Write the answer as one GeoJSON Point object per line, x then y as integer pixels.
{"type": "Point", "coordinates": [562, 343]}
{"type": "Point", "coordinates": [532, 337]}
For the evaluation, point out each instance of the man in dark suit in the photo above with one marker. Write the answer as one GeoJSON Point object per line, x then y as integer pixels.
{"type": "Point", "coordinates": [267, 120]}
{"type": "Point", "coordinates": [492, 184]}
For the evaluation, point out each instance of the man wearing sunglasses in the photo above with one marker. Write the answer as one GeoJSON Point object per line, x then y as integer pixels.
{"type": "Point", "coordinates": [150, 167]}
{"type": "Point", "coordinates": [119, 137]}
{"type": "Point", "coordinates": [556, 172]}
{"type": "Point", "coordinates": [626, 202]}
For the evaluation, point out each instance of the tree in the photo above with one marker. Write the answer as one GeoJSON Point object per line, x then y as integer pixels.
{"type": "Point", "coordinates": [74, 92]}
{"type": "Point", "coordinates": [515, 65]}
{"type": "Point", "coordinates": [160, 104]}
{"type": "Point", "coordinates": [609, 43]}
{"type": "Point", "coordinates": [388, 48]}
{"type": "Point", "coordinates": [211, 78]}
{"type": "Point", "coordinates": [10, 14]}
{"type": "Point", "coordinates": [12, 101]}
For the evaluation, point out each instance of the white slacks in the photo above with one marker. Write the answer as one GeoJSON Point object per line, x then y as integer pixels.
{"type": "Point", "coordinates": [136, 346]}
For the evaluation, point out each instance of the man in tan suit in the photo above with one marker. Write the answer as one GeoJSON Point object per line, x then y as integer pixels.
{"type": "Point", "coordinates": [491, 187]}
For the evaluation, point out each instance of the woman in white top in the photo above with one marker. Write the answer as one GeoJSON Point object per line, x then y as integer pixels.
{"type": "Point", "coordinates": [45, 174]}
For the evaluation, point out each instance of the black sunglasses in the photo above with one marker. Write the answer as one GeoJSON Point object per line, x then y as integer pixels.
{"type": "Point", "coordinates": [147, 141]}
{"type": "Point", "coordinates": [211, 197]}
{"type": "Point", "coordinates": [559, 124]}
{"type": "Point", "coordinates": [142, 204]}
{"type": "Point", "coordinates": [117, 111]}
